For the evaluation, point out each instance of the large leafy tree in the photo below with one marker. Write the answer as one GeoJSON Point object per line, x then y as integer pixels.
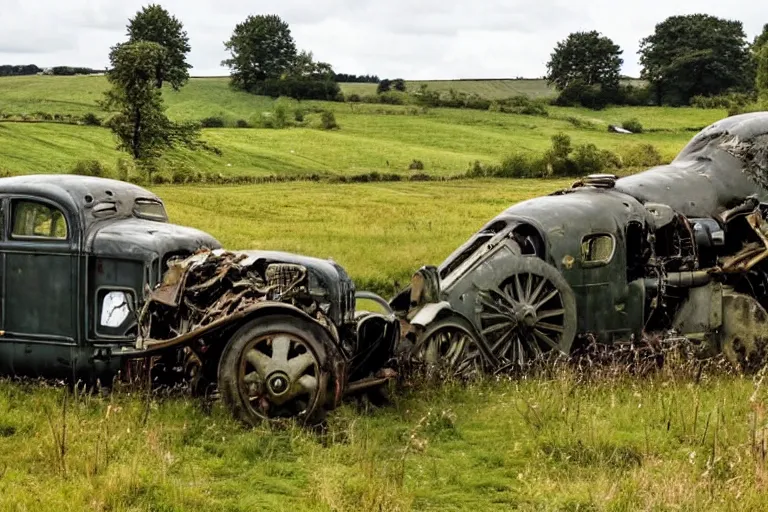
{"type": "Point", "coordinates": [155, 24]}
{"type": "Point", "coordinates": [585, 57]}
{"type": "Point", "coordinates": [761, 83]}
{"type": "Point", "coordinates": [695, 54]}
{"type": "Point", "coordinates": [761, 39]}
{"type": "Point", "coordinates": [140, 123]}
{"type": "Point", "coordinates": [262, 48]}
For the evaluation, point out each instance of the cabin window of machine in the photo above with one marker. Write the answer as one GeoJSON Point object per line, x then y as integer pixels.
{"type": "Point", "coordinates": [32, 219]}
{"type": "Point", "coordinates": [597, 249]}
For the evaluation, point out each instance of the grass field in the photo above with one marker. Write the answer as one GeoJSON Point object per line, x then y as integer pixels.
{"type": "Point", "coordinates": [552, 442]}
{"type": "Point", "coordinates": [555, 442]}
{"type": "Point", "coordinates": [372, 137]}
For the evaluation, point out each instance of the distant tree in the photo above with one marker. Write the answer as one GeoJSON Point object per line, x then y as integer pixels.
{"type": "Point", "coordinates": [586, 57]}
{"type": "Point", "coordinates": [761, 39]}
{"type": "Point", "coordinates": [398, 84]}
{"type": "Point", "coordinates": [262, 48]}
{"type": "Point", "coordinates": [141, 127]}
{"type": "Point", "coordinates": [304, 66]}
{"type": "Point", "coordinates": [19, 70]}
{"type": "Point", "coordinates": [696, 54]}
{"type": "Point", "coordinates": [155, 24]}
{"type": "Point", "coordinates": [761, 82]}
{"type": "Point", "coordinates": [384, 86]}
{"type": "Point", "coordinates": [347, 78]}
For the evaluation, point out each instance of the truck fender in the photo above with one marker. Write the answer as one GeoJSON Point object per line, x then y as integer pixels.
{"type": "Point", "coordinates": [430, 312]}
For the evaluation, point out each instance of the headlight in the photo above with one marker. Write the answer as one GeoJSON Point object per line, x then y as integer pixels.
{"type": "Point", "coordinates": [115, 308]}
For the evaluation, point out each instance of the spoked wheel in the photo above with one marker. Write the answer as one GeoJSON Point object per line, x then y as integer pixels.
{"type": "Point", "coordinates": [532, 313]}
{"type": "Point", "coordinates": [448, 345]}
{"type": "Point", "coordinates": [272, 369]}
{"type": "Point", "coordinates": [744, 333]}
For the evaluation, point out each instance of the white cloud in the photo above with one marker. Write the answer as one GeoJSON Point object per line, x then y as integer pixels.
{"type": "Point", "coordinates": [415, 39]}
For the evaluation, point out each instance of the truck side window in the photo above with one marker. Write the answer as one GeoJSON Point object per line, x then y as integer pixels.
{"type": "Point", "coordinates": [597, 249]}
{"type": "Point", "coordinates": [37, 220]}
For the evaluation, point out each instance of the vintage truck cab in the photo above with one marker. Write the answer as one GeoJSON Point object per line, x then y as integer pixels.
{"type": "Point", "coordinates": [93, 276]}
{"type": "Point", "coordinates": [77, 255]}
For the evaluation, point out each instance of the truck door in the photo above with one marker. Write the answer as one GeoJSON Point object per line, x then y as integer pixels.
{"type": "Point", "coordinates": [6, 346]}
{"type": "Point", "coordinates": [40, 287]}
{"type": "Point", "coordinates": [605, 301]}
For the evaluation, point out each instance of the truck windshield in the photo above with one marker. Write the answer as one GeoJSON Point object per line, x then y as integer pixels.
{"type": "Point", "coordinates": [150, 209]}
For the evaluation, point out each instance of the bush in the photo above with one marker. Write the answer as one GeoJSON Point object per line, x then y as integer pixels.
{"type": "Point", "coordinates": [298, 115]}
{"type": "Point", "coordinates": [280, 117]}
{"type": "Point", "coordinates": [520, 105]}
{"type": "Point", "coordinates": [588, 159]}
{"type": "Point", "coordinates": [90, 119]}
{"type": "Point", "coordinates": [353, 98]}
{"type": "Point", "coordinates": [521, 165]}
{"type": "Point", "coordinates": [328, 120]}
{"type": "Point", "coordinates": [124, 168]}
{"type": "Point", "coordinates": [633, 125]}
{"type": "Point", "coordinates": [416, 165]}
{"type": "Point", "coordinates": [641, 155]}
{"type": "Point", "coordinates": [242, 123]}
{"type": "Point", "coordinates": [90, 168]}
{"type": "Point", "coordinates": [298, 88]}
{"type": "Point", "coordinates": [182, 174]}
{"type": "Point", "coordinates": [212, 122]}
{"type": "Point", "coordinates": [727, 101]}
{"type": "Point", "coordinates": [393, 98]}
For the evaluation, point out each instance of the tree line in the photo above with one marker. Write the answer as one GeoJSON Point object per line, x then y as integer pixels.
{"type": "Point", "coordinates": [32, 69]}
{"type": "Point", "coordinates": [686, 57]}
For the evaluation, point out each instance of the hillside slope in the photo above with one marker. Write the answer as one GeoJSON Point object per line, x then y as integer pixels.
{"type": "Point", "coordinates": [372, 137]}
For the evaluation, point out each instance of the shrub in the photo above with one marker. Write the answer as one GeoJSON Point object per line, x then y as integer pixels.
{"type": "Point", "coordinates": [561, 145]}
{"type": "Point", "coordinates": [328, 120]}
{"type": "Point", "coordinates": [212, 122]}
{"type": "Point", "coordinates": [89, 168]}
{"type": "Point", "coordinates": [183, 174]}
{"type": "Point", "coordinates": [384, 86]}
{"type": "Point", "coordinates": [90, 119]}
{"type": "Point", "coordinates": [298, 115]}
{"type": "Point", "coordinates": [416, 165]}
{"type": "Point", "coordinates": [641, 155]}
{"type": "Point", "coordinates": [393, 98]}
{"type": "Point", "coordinates": [588, 159]}
{"type": "Point", "coordinates": [633, 125]}
{"type": "Point", "coordinates": [242, 123]}
{"type": "Point", "coordinates": [519, 105]}
{"type": "Point", "coordinates": [125, 169]}
{"type": "Point", "coordinates": [521, 165]}
{"type": "Point", "coordinates": [280, 117]}
{"type": "Point", "coordinates": [353, 98]}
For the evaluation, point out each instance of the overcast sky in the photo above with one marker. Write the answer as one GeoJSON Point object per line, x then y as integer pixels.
{"type": "Point", "coordinates": [414, 39]}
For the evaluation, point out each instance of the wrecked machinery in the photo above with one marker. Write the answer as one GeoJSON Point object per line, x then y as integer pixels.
{"type": "Point", "coordinates": [95, 280]}
{"type": "Point", "coordinates": [678, 249]}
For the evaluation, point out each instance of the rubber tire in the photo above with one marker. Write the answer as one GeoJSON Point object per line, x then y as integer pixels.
{"type": "Point", "coordinates": [228, 385]}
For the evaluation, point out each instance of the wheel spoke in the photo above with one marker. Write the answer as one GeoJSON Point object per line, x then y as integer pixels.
{"type": "Point", "coordinates": [308, 383]}
{"type": "Point", "coordinates": [528, 287]}
{"type": "Point", "coordinates": [498, 327]}
{"type": "Point", "coordinates": [546, 299]}
{"type": "Point", "coordinates": [539, 288]}
{"type": "Point", "coordinates": [299, 364]}
{"type": "Point", "coordinates": [281, 345]}
{"type": "Point", "coordinates": [546, 339]}
{"type": "Point", "coordinates": [260, 361]}
{"type": "Point", "coordinates": [494, 316]}
{"type": "Point", "coordinates": [252, 378]}
{"type": "Point", "coordinates": [519, 288]}
{"type": "Point", "coordinates": [550, 327]}
{"type": "Point", "coordinates": [550, 314]}
{"type": "Point", "coordinates": [432, 353]}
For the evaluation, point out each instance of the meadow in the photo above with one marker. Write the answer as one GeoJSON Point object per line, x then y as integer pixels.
{"type": "Point", "coordinates": [380, 138]}
{"type": "Point", "coordinates": [562, 440]}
